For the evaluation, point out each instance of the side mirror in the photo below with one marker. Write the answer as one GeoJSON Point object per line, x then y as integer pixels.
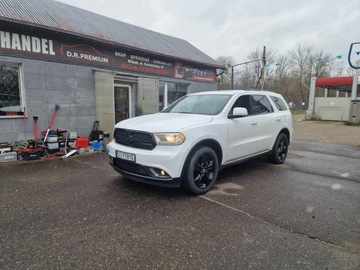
{"type": "Point", "coordinates": [239, 112]}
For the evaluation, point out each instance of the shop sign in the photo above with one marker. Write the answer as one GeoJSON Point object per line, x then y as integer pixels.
{"type": "Point", "coordinates": [187, 72]}
{"type": "Point", "coordinates": [38, 47]}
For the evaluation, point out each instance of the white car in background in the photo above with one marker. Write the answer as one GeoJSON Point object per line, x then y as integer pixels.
{"type": "Point", "coordinates": [187, 143]}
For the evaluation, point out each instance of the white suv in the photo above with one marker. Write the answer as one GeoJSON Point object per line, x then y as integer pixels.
{"type": "Point", "coordinates": [186, 144]}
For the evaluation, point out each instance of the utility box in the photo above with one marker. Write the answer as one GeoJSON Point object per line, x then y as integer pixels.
{"type": "Point", "coordinates": [354, 117]}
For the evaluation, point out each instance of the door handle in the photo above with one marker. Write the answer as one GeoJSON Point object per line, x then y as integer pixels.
{"type": "Point", "coordinates": [277, 119]}
{"type": "Point", "coordinates": [253, 123]}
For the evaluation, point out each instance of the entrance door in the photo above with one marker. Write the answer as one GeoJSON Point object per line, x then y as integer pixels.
{"type": "Point", "coordinates": [122, 98]}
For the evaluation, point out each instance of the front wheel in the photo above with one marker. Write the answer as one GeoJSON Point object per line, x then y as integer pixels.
{"type": "Point", "coordinates": [201, 171]}
{"type": "Point", "coordinates": [280, 149]}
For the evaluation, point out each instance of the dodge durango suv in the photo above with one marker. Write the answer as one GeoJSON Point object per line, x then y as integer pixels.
{"type": "Point", "coordinates": [187, 143]}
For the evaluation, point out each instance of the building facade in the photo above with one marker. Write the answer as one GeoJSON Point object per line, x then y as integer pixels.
{"type": "Point", "coordinates": [89, 67]}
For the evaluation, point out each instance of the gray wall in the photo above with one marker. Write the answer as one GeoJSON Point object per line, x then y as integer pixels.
{"type": "Point", "coordinates": [201, 87]}
{"type": "Point", "coordinates": [194, 86]}
{"type": "Point", "coordinates": [148, 95]}
{"type": "Point", "coordinates": [104, 89]}
{"type": "Point", "coordinates": [72, 87]}
{"type": "Point", "coordinates": [46, 84]}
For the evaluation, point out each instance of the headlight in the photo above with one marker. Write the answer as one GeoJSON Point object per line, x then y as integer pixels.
{"type": "Point", "coordinates": [174, 138]}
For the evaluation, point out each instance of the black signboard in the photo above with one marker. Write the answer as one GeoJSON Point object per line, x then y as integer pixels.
{"type": "Point", "coordinates": [45, 46]}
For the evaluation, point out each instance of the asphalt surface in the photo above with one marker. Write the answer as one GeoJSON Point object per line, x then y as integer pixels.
{"type": "Point", "coordinates": [78, 213]}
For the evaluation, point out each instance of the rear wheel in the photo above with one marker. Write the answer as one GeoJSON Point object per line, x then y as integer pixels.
{"type": "Point", "coordinates": [280, 149]}
{"type": "Point", "coordinates": [201, 171]}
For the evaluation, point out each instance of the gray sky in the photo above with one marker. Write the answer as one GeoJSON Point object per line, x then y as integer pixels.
{"type": "Point", "coordinates": [237, 27]}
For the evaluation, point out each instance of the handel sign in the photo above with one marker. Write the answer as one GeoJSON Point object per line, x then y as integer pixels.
{"type": "Point", "coordinates": [39, 47]}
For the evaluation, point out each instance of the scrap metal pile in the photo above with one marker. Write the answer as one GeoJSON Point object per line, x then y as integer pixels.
{"type": "Point", "coordinates": [54, 143]}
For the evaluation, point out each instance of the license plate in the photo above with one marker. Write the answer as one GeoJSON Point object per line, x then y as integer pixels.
{"type": "Point", "coordinates": [125, 156]}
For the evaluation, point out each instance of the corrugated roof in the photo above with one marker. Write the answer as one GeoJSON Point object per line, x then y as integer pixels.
{"type": "Point", "coordinates": [64, 18]}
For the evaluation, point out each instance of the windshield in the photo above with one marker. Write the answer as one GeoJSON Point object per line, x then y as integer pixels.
{"type": "Point", "coordinates": [199, 104]}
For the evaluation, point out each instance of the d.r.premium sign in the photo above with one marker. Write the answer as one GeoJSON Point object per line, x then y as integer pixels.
{"type": "Point", "coordinates": [38, 45]}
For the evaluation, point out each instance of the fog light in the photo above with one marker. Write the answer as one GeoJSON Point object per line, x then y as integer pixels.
{"type": "Point", "coordinates": [159, 173]}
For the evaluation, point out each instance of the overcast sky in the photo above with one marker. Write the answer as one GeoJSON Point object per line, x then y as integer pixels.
{"type": "Point", "coordinates": [237, 27]}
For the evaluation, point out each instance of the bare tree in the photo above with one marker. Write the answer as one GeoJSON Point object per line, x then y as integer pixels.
{"type": "Point", "coordinates": [320, 64]}
{"type": "Point", "coordinates": [289, 74]}
{"type": "Point", "coordinates": [300, 61]}
{"type": "Point", "coordinates": [280, 81]}
{"type": "Point", "coordinates": [262, 67]}
{"type": "Point", "coordinates": [224, 79]}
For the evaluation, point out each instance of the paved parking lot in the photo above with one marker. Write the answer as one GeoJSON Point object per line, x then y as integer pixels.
{"type": "Point", "coordinates": [79, 213]}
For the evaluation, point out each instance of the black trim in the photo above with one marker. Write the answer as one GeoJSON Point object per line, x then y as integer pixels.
{"type": "Point", "coordinates": [134, 138]}
{"type": "Point", "coordinates": [171, 182]}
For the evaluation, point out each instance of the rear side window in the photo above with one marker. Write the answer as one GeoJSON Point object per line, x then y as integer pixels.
{"type": "Point", "coordinates": [280, 104]}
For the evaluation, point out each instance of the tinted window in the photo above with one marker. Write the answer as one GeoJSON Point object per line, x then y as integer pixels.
{"type": "Point", "coordinates": [280, 104]}
{"type": "Point", "coordinates": [243, 102]}
{"type": "Point", "coordinates": [255, 104]}
{"type": "Point", "coordinates": [260, 105]}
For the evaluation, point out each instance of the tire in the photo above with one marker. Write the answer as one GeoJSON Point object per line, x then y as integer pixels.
{"type": "Point", "coordinates": [201, 171]}
{"type": "Point", "coordinates": [280, 149]}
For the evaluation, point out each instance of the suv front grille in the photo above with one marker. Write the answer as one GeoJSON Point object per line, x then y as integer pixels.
{"type": "Point", "coordinates": [133, 138]}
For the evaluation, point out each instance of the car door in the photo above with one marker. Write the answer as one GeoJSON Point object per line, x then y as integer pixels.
{"type": "Point", "coordinates": [264, 118]}
{"type": "Point", "coordinates": [250, 135]}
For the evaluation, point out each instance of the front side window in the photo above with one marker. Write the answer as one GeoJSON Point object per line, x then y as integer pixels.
{"type": "Point", "coordinates": [255, 104]}
{"type": "Point", "coordinates": [10, 92]}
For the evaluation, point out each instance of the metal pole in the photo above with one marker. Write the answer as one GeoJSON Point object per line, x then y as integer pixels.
{"type": "Point", "coordinates": [262, 79]}
{"type": "Point", "coordinates": [232, 77]}
{"type": "Point", "coordinates": [244, 63]}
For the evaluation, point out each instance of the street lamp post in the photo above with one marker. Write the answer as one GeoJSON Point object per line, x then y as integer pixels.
{"type": "Point", "coordinates": [244, 63]}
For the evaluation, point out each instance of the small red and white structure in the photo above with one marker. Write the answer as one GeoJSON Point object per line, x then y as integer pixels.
{"type": "Point", "coordinates": [335, 98]}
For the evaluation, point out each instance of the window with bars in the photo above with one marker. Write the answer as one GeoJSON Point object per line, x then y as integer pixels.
{"type": "Point", "coordinates": [10, 91]}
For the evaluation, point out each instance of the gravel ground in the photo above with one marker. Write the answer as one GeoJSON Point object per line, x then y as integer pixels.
{"type": "Point", "coordinates": [325, 131]}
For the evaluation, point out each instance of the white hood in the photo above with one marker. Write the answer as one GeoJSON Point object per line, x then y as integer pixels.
{"type": "Point", "coordinates": [164, 122]}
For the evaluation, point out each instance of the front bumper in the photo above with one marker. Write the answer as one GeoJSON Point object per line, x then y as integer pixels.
{"type": "Point", "coordinates": [161, 166]}
{"type": "Point", "coordinates": [141, 174]}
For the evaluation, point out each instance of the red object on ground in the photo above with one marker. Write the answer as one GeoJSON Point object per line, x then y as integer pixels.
{"type": "Point", "coordinates": [35, 128]}
{"type": "Point", "coordinates": [82, 142]}
{"type": "Point", "coordinates": [57, 107]}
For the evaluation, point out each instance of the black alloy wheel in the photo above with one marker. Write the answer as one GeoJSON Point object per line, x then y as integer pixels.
{"type": "Point", "coordinates": [280, 150]}
{"type": "Point", "coordinates": [202, 171]}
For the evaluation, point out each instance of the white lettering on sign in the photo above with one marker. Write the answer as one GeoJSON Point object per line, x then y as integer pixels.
{"type": "Point", "coordinates": [120, 54]}
{"type": "Point", "coordinates": [139, 58]}
{"type": "Point", "coordinates": [88, 57]}
{"type": "Point", "coordinates": [14, 41]}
